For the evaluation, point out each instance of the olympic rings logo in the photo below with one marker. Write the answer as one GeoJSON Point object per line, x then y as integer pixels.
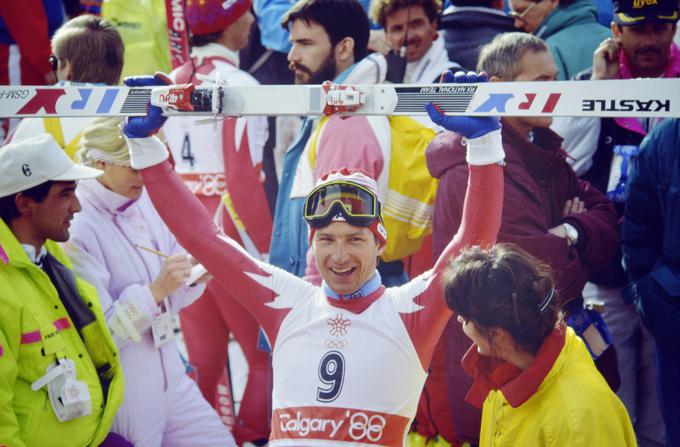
{"type": "Point", "coordinates": [336, 344]}
{"type": "Point", "coordinates": [362, 426]}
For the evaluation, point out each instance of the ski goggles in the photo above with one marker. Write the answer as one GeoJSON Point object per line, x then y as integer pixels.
{"type": "Point", "coordinates": [356, 204]}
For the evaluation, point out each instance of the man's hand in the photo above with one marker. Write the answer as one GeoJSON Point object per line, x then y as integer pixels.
{"type": "Point", "coordinates": [175, 270]}
{"type": "Point", "coordinates": [606, 60]}
{"type": "Point", "coordinates": [145, 126]}
{"type": "Point", "coordinates": [573, 206]}
{"type": "Point", "coordinates": [467, 126]}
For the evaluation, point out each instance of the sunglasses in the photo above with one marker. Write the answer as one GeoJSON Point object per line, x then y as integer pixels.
{"type": "Point", "coordinates": [520, 15]}
{"type": "Point", "coordinates": [54, 62]}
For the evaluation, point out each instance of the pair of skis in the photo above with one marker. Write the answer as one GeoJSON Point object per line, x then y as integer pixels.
{"type": "Point", "coordinates": [658, 98]}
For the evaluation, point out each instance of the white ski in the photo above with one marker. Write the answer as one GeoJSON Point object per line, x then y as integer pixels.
{"type": "Point", "coordinates": [615, 98]}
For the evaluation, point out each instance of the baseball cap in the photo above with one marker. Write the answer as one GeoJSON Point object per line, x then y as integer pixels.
{"type": "Point", "coordinates": [211, 16]}
{"type": "Point", "coordinates": [36, 160]}
{"type": "Point", "coordinates": [634, 12]}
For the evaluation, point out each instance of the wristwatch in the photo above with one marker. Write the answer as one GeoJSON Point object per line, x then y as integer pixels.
{"type": "Point", "coordinates": [571, 232]}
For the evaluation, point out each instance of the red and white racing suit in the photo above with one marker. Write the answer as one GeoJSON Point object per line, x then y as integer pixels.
{"type": "Point", "coordinates": [346, 373]}
{"type": "Point", "coordinates": [213, 161]}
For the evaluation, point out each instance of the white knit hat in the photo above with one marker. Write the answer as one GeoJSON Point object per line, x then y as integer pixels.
{"type": "Point", "coordinates": [36, 160]}
{"type": "Point", "coordinates": [358, 177]}
{"type": "Point", "coordinates": [350, 175]}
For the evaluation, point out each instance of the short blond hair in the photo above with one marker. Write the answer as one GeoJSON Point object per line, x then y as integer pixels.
{"type": "Point", "coordinates": [102, 140]}
{"type": "Point", "coordinates": [381, 9]}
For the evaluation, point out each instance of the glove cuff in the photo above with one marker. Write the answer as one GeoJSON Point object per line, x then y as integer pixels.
{"type": "Point", "coordinates": [146, 152]}
{"type": "Point", "coordinates": [485, 150]}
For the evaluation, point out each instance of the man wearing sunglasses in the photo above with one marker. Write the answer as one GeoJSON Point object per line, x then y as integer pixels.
{"type": "Point", "coordinates": [569, 27]}
{"type": "Point", "coordinates": [349, 357]}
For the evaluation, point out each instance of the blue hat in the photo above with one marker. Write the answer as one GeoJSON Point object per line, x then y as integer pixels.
{"type": "Point", "coordinates": [635, 12]}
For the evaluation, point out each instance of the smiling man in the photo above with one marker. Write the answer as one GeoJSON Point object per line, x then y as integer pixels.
{"type": "Point", "coordinates": [411, 27]}
{"type": "Point", "coordinates": [329, 42]}
{"type": "Point", "coordinates": [49, 318]}
{"type": "Point", "coordinates": [350, 356]}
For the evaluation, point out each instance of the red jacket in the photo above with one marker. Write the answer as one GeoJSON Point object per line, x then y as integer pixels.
{"type": "Point", "coordinates": [538, 182]}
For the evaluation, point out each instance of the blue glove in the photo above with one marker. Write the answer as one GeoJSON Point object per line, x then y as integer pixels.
{"type": "Point", "coordinates": [467, 126]}
{"type": "Point", "coordinates": [145, 126]}
{"type": "Point", "coordinates": [580, 319]}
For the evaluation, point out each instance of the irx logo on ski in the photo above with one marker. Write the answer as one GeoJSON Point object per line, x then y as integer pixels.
{"type": "Point", "coordinates": [498, 102]}
{"type": "Point", "coordinates": [46, 99]}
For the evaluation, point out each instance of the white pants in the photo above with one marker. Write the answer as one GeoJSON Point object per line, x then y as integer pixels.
{"type": "Point", "coordinates": [162, 405]}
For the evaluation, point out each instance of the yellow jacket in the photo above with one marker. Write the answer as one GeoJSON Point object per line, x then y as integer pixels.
{"type": "Point", "coordinates": [142, 25]}
{"type": "Point", "coordinates": [33, 323]}
{"type": "Point", "coordinates": [560, 400]}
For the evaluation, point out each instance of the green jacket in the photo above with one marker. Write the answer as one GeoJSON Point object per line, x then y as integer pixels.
{"type": "Point", "coordinates": [572, 34]}
{"type": "Point", "coordinates": [29, 307]}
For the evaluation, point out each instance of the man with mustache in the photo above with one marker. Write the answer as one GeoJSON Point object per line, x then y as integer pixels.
{"type": "Point", "coordinates": [602, 150]}
{"type": "Point", "coordinates": [411, 26]}
{"type": "Point", "coordinates": [329, 42]}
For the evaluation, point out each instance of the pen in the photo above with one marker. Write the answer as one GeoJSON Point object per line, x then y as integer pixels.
{"type": "Point", "coordinates": [151, 250]}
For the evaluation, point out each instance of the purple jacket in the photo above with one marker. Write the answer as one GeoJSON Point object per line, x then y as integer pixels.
{"type": "Point", "coordinates": [538, 182]}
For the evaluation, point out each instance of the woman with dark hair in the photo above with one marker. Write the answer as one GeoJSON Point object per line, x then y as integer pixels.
{"type": "Point", "coordinates": [534, 376]}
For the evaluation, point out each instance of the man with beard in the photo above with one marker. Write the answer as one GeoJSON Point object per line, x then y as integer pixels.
{"type": "Point", "coordinates": [329, 42]}
{"type": "Point", "coordinates": [602, 148]}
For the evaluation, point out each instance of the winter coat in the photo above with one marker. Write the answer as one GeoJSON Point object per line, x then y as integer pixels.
{"type": "Point", "coordinates": [559, 400]}
{"type": "Point", "coordinates": [468, 28]}
{"type": "Point", "coordinates": [538, 182]}
{"type": "Point", "coordinates": [592, 141]}
{"type": "Point", "coordinates": [651, 228]}
{"type": "Point", "coordinates": [34, 326]}
{"type": "Point", "coordinates": [572, 34]}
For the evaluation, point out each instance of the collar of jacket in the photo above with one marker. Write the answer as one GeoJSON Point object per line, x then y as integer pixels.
{"type": "Point", "coordinates": [516, 385]}
{"type": "Point", "coordinates": [356, 306]}
{"type": "Point", "coordinates": [214, 50]}
{"type": "Point", "coordinates": [12, 253]}
{"type": "Point", "coordinates": [426, 69]}
{"type": "Point", "coordinates": [540, 155]}
{"type": "Point", "coordinates": [104, 199]}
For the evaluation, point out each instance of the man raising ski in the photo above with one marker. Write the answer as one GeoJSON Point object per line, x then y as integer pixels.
{"type": "Point", "coordinates": [349, 357]}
